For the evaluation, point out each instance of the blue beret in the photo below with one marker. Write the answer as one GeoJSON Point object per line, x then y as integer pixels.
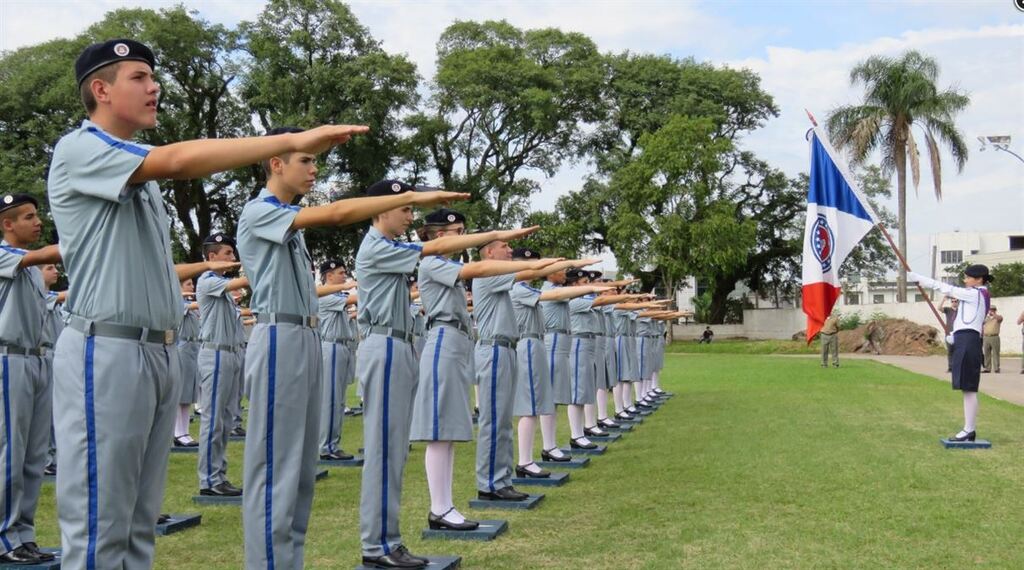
{"type": "Point", "coordinates": [525, 253]}
{"type": "Point", "coordinates": [331, 265]}
{"type": "Point", "coordinates": [443, 217]}
{"type": "Point", "coordinates": [388, 188]}
{"type": "Point", "coordinates": [109, 52]}
{"type": "Point", "coordinates": [219, 238]}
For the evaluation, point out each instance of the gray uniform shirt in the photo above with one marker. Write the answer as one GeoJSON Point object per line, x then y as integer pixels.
{"type": "Point", "coordinates": [606, 319]}
{"type": "Point", "coordinates": [114, 236]}
{"type": "Point", "coordinates": [492, 307]}
{"type": "Point", "coordinates": [275, 258]}
{"type": "Point", "coordinates": [644, 327]}
{"type": "Point", "coordinates": [53, 322]}
{"type": "Point", "coordinates": [334, 321]}
{"type": "Point", "coordinates": [218, 313]}
{"type": "Point", "coordinates": [189, 329]}
{"type": "Point", "coordinates": [556, 313]}
{"type": "Point", "coordinates": [526, 304]}
{"type": "Point", "coordinates": [442, 292]}
{"type": "Point", "coordinates": [620, 323]}
{"type": "Point", "coordinates": [582, 316]}
{"type": "Point", "coordinates": [381, 268]}
{"type": "Point", "coordinates": [22, 300]}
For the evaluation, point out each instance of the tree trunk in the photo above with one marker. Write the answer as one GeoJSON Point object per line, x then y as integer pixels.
{"type": "Point", "coordinates": [901, 192]}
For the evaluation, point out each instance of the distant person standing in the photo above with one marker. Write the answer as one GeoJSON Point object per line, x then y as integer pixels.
{"type": "Point", "coordinates": [873, 337]}
{"type": "Point", "coordinates": [990, 340]}
{"type": "Point", "coordinates": [829, 335]}
{"type": "Point", "coordinates": [950, 313]}
{"type": "Point", "coordinates": [1020, 322]}
{"type": "Point", "coordinates": [707, 336]}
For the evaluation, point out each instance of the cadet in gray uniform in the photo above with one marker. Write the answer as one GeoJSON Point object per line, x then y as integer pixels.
{"type": "Point", "coordinates": [283, 358]}
{"type": "Point", "coordinates": [27, 391]}
{"type": "Point", "coordinates": [242, 314]}
{"type": "Point", "coordinates": [52, 326]}
{"type": "Point", "coordinates": [219, 363]}
{"type": "Point", "coordinates": [336, 336]}
{"type": "Point", "coordinates": [116, 365]}
{"type": "Point", "coordinates": [188, 361]}
{"type": "Point", "coordinates": [441, 411]}
{"type": "Point", "coordinates": [386, 366]}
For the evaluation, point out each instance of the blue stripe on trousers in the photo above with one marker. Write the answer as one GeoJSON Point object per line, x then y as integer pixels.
{"type": "Point", "coordinates": [618, 360]}
{"type": "Point", "coordinates": [384, 448]}
{"type": "Point", "coordinates": [8, 487]}
{"type": "Point", "coordinates": [529, 368]}
{"type": "Point", "coordinates": [643, 343]}
{"type": "Point", "coordinates": [576, 378]}
{"type": "Point", "coordinates": [268, 501]}
{"type": "Point", "coordinates": [90, 437]}
{"type": "Point", "coordinates": [551, 375]}
{"type": "Point", "coordinates": [330, 423]}
{"type": "Point", "coordinates": [495, 354]}
{"type": "Point", "coordinates": [213, 420]}
{"type": "Point", "coordinates": [437, 358]}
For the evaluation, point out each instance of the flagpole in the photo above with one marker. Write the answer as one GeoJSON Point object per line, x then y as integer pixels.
{"type": "Point", "coordinates": [899, 256]}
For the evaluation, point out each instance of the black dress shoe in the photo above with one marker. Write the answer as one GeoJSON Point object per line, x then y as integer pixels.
{"type": "Point", "coordinates": [608, 424]}
{"type": "Point", "coordinates": [181, 442]}
{"type": "Point", "coordinates": [624, 416]}
{"type": "Point", "coordinates": [438, 522]}
{"type": "Point", "coordinates": [522, 471]}
{"type": "Point", "coordinates": [632, 410]}
{"type": "Point", "coordinates": [50, 470]}
{"type": "Point", "coordinates": [399, 558]}
{"type": "Point", "coordinates": [34, 549]}
{"type": "Point", "coordinates": [644, 406]}
{"type": "Point", "coordinates": [222, 489]}
{"type": "Point", "coordinates": [545, 454]}
{"type": "Point", "coordinates": [503, 494]}
{"type": "Point", "coordinates": [969, 436]}
{"type": "Point", "coordinates": [238, 432]}
{"type": "Point", "coordinates": [659, 391]}
{"type": "Point", "coordinates": [337, 456]}
{"type": "Point", "coordinates": [575, 444]}
{"type": "Point", "coordinates": [20, 555]}
{"type": "Point", "coordinates": [162, 518]}
{"type": "Point", "coordinates": [594, 431]}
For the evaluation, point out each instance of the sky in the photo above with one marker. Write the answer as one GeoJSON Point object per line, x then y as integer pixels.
{"type": "Point", "coordinates": [803, 52]}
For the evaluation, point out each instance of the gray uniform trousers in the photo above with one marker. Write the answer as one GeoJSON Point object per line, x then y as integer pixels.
{"type": "Point", "coordinates": [388, 369]}
{"type": "Point", "coordinates": [219, 373]}
{"type": "Point", "coordinates": [335, 369]}
{"type": "Point", "coordinates": [829, 343]}
{"type": "Point", "coordinates": [51, 451]}
{"type": "Point", "coordinates": [282, 368]}
{"type": "Point", "coordinates": [556, 348]}
{"type": "Point", "coordinates": [27, 400]}
{"type": "Point", "coordinates": [114, 403]}
{"type": "Point", "coordinates": [241, 389]}
{"type": "Point", "coordinates": [496, 373]}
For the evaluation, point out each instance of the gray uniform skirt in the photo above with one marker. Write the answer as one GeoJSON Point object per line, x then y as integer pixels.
{"type": "Point", "coordinates": [188, 356]}
{"type": "Point", "coordinates": [441, 410]}
{"type": "Point", "coordinates": [556, 350]}
{"type": "Point", "coordinates": [627, 367]}
{"type": "Point", "coordinates": [533, 387]}
{"type": "Point", "coordinates": [607, 377]}
{"type": "Point", "coordinates": [646, 364]}
{"type": "Point", "coordinates": [967, 358]}
{"type": "Point", "coordinates": [583, 387]}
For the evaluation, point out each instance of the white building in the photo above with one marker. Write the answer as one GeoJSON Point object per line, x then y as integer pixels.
{"type": "Point", "coordinates": [954, 248]}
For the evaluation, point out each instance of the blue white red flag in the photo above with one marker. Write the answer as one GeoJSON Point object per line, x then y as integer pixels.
{"type": "Point", "coordinates": [838, 217]}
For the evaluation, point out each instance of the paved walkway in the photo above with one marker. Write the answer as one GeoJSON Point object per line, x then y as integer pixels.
{"type": "Point", "coordinates": [1008, 385]}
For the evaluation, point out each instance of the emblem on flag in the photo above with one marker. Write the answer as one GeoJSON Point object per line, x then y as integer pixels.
{"type": "Point", "coordinates": [822, 243]}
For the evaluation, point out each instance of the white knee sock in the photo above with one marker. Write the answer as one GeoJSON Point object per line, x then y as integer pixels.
{"type": "Point", "coordinates": [617, 397]}
{"type": "Point", "coordinates": [602, 404]}
{"type": "Point", "coordinates": [589, 415]}
{"type": "Point", "coordinates": [437, 461]}
{"type": "Point", "coordinates": [476, 396]}
{"type": "Point", "coordinates": [181, 420]}
{"type": "Point", "coordinates": [970, 411]}
{"type": "Point", "coordinates": [527, 432]}
{"type": "Point", "coordinates": [637, 391]}
{"type": "Point", "coordinates": [654, 382]}
{"type": "Point", "coordinates": [548, 428]}
{"type": "Point", "coordinates": [575, 413]}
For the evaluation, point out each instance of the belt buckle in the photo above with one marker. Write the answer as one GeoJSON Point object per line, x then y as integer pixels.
{"type": "Point", "coordinates": [168, 337]}
{"type": "Point", "coordinates": [314, 321]}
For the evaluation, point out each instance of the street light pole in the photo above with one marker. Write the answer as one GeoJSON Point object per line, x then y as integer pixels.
{"type": "Point", "coordinates": [1000, 142]}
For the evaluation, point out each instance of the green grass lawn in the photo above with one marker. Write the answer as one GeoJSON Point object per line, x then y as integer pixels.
{"type": "Point", "coordinates": [743, 346]}
{"type": "Point", "coordinates": [758, 462]}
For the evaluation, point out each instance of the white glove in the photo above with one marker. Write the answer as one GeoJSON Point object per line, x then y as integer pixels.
{"type": "Point", "coordinates": [949, 338]}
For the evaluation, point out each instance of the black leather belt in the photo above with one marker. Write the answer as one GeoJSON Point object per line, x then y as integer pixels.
{"type": "Point", "coordinates": [393, 333]}
{"type": "Point", "coordinates": [225, 347]}
{"type": "Point", "coordinates": [558, 331]}
{"type": "Point", "coordinates": [308, 321]}
{"type": "Point", "coordinates": [6, 349]}
{"type": "Point", "coordinates": [584, 335]}
{"type": "Point", "coordinates": [531, 335]}
{"type": "Point", "coordinates": [452, 324]}
{"type": "Point", "coordinates": [113, 330]}
{"type": "Point", "coordinates": [499, 341]}
{"type": "Point", "coordinates": [337, 340]}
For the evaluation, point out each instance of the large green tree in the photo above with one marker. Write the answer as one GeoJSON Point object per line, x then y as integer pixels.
{"type": "Point", "coordinates": [312, 62]}
{"type": "Point", "coordinates": [900, 94]}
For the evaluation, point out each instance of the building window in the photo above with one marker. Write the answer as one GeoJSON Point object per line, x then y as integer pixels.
{"type": "Point", "coordinates": [1016, 242]}
{"type": "Point", "coordinates": [918, 298]}
{"type": "Point", "coordinates": [878, 299]}
{"type": "Point", "coordinates": [853, 298]}
{"type": "Point", "coordinates": [951, 256]}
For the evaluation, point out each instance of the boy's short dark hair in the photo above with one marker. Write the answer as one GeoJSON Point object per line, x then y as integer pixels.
{"type": "Point", "coordinates": [284, 157]}
{"type": "Point", "coordinates": [107, 73]}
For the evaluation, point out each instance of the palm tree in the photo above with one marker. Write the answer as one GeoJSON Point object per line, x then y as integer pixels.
{"type": "Point", "coordinates": [900, 94]}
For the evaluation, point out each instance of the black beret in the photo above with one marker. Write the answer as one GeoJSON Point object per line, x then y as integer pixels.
{"type": "Point", "coordinates": [594, 275]}
{"type": "Point", "coordinates": [388, 188]}
{"type": "Point", "coordinates": [9, 201]}
{"type": "Point", "coordinates": [412, 278]}
{"type": "Point", "coordinates": [109, 52]}
{"type": "Point", "coordinates": [525, 253]}
{"type": "Point", "coordinates": [331, 265]}
{"type": "Point", "coordinates": [219, 238]}
{"type": "Point", "coordinates": [978, 272]}
{"type": "Point", "coordinates": [284, 130]}
{"type": "Point", "coordinates": [443, 217]}
{"type": "Point", "coordinates": [575, 274]}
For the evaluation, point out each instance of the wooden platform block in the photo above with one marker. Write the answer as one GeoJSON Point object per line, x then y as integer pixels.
{"type": "Point", "coordinates": [236, 438]}
{"type": "Point", "coordinates": [577, 462]}
{"type": "Point", "coordinates": [645, 413]}
{"type": "Point", "coordinates": [51, 565]}
{"type": "Point", "coordinates": [623, 427]}
{"type": "Point", "coordinates": [488, 530]}
{"type": "Point", "coordinates": [354, 412]}
{"type": "Point", "coordinates": [179, 522]}
{"type": "Point", "coordinates": [354, 462]}
{"type": "Point", "coordinates": [525, 504]}
{"type": "Point", "coordinates": [184, 449]}
{"type": "Point", "coordinates": [557, 479]}
{"type": "Point", "coordinates": [632, 423]}
{"type": "Point", "coordinates": [214, 500]}
{"type": "Point", "coordinates": [436, 563]}
{"type": "Point", "coordinates": [610, 438]}
{"type": "Point", "coordinates": [599, 450]}
{"type": "Point", "coordinates": [978, 444]}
